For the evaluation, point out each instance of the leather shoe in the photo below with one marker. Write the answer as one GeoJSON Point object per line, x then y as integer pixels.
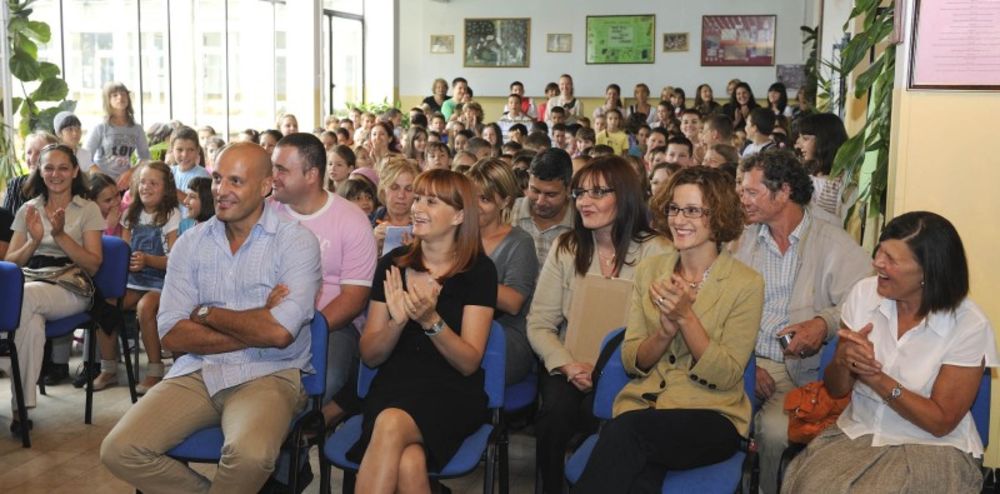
{"type": "Point", "coordinates": [15, 427]}
{"type": "Point", "coordinates": [58, 373]}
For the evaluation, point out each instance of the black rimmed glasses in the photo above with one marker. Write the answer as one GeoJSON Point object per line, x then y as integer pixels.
{"type": "Point", "coordinates": [690, 212]}
{"type": "Point", "coordinates": [594, 193]}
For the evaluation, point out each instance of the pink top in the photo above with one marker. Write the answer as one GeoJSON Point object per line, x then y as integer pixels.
{"type": "Point", "coordinates": [346, 242]}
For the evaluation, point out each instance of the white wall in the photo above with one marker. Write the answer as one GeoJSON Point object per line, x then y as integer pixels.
{"type": "Point", "coordinates": [421, 18]}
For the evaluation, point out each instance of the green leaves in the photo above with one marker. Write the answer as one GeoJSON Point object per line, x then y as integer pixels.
{"type": "Point", "coordinates": [24, 36]}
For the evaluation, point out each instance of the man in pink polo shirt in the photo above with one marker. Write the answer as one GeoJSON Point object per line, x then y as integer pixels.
{"type": "Point", "coordinates": [347, 251]}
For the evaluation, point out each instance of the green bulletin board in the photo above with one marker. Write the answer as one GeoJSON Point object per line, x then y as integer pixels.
{"type": "Point", "coordinates": [621, 39]}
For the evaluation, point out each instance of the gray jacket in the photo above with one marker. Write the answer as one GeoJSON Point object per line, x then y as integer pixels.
{"type": "Point", "coordinates": [830, 263]}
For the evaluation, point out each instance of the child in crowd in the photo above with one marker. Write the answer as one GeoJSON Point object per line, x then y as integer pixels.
{"type": "Point", "coordinates": [115, 140]}
{"type": "Point", "coordinates": [198, 200]}
{"type": "Point", "coordinates": [600, 124]}
{"type": "Point", "coordinates": [362, 158]}
{"type": "Point", "coordinates": [438, 156]}
{"type": "Point", "coordinates": [759, 125]}
{"type": "Point", "coordinates": [361, 192]}
{"type": "Point", "coordinates": [187, 153]}
{"type": "Point", "coordinates": [551, 91]}
{"type": "Point", "coordinates": [679, 150]}
{"type": "Point", "coordinates": [205, 132]}
{"type": "Point", "coordinates": [415, 145]}
{"type": "Point", "coordinates": [664, 115]}
{"type": "Point", "coordinates": [329, 139]}
{"type": "Point", "coordinates": [69, 131]}
{"type": "Point", "coordinates": [585, 139]}
{"type": "Point", "coordinates": [517, 133]}
{"type": "Point", "coordinates": [461, 139]}
{"type": "Point", "coordinates": [212, 149]}
{"type": "Point", "coordinates": [341, 162]}
{"type": "Point", "coordinates": [679, 101]}
{"type": "Point", "coordinates": [691, 128]}
{"type": "Point", "coordinates": [104, 192]}
{"type": "Point", "coordinates": [269, 139]}
{"type": "Point", "coordinates": [150, 227]}
{"type": "Point", "coordinates": [287, 124]}
{"type": "Point", "coordinates": [613, 136]}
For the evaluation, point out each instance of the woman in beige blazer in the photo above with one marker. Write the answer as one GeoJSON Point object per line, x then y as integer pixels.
{"type": "Point", "coordinates": [611, 235]}
{"type": "Point", "coordinates": [693, 324]}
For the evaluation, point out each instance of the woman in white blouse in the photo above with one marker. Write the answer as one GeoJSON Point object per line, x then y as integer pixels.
{"type": "Point", "coordinates": [911, 353]}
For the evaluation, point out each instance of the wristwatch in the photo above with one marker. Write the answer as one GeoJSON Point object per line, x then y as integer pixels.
{"type": "Point", "coordinates": [202, 314]}
{"type": "Point", "coordinates": [896, 392]}
{"type": "Point", "coordinates": [435, 328]}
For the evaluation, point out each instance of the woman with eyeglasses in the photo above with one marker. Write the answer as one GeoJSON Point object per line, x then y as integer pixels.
{"type": "Point", "coordinates": [58, 227]}
{"type": "Point", "coordinates": [609, 238]}
{"type": "Point", "coordinates": [691, 329]}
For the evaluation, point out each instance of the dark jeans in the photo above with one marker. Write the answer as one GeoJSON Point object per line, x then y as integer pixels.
{"type": "Point", "coordinates": [564, 412]}
{"type": "Point", "coordinates": [636, 449]}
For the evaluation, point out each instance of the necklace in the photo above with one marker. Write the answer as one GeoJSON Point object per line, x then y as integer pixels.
{"type": "Point", "coordinates": [607, 260]}
{"type": "Point", "coordinates": [694, 285]}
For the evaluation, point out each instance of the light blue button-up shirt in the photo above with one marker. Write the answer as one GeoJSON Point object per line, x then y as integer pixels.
{"type": "Point", "coordinates": [779, 271]}
{"type": "Point", "coordinates": [204, 271]}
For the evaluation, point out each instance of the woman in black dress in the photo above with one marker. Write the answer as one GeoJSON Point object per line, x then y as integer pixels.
{"type": "Point", "coordinates": [429, 319]}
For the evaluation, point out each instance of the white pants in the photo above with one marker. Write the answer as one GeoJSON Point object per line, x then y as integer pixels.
{"type": "Point", "coordinates": [42, 301]}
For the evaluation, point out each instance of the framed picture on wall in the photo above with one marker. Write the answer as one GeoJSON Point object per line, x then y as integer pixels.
{"type": "Point", "coordinates": [497, 42]}
{"type": "Point", "coordinates": [738, 40]}
{"type": "Point", "coordinates": [442, 44]}
{"type": "Point", "coordinates": [953, 48]}
{"type": "Point", "coordinates": [621, 39]}
{"type": "Point", "coordinates": [559, 43]}
{"type": "Point", "coordinates": [675, 42]}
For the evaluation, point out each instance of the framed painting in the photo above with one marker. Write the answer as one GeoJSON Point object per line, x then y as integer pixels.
{"type": "Point", "coordinates": [442, 44]}
{"type": "Point", "coordinates": [614, 39]}
{"type": "Point", "coordinates": [675, 42]}
{"type": "Point", "coordinates": [738, 40]}
{"type": "Point", "coordinates": [559, 43]}
{"type": "Point", "coordinates": [497, 42]}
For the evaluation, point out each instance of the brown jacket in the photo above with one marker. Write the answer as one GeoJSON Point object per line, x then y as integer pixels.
{"type": "Point", "coordinates": [729, 306]}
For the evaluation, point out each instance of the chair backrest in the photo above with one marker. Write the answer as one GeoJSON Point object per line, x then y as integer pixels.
{"type": "Point", "coordinates": [494, 363]}
{"type": "Point", "coordinates": [315, 384]}
{"type": "Point", "coordinates": [112, 276]}
{"type": "Point", "coordinates": [750, 383]}
{"type": "Point", "coordinates": [981, 407]}
{"type": "Point", "coordinates": [826, 355]}
{"type": "Point", "coordinates": [613, 378]}
{"type": "Point", "coordinates": [11, 294]}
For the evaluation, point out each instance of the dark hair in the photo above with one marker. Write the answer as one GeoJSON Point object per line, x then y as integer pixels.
{"type": "Point", "coordinates": [98, 182]}
{"type": "Point", "coordinates": [477, 143]}
{"type": "Point", "coordinates": [167, 204]}
{"type": "Point", "coordinates": [253, 135]}
{"type": "Point", "coordinates": [618, 89]}
{"type": "Point", "coordinates": [602, 150]}
{"type": "Point", "coordinates": [782, 103]}
{"type": "Point", "coordinates": [345, 153]}
{"type": "Point", "coordinates": [726, 216]}
{"type": "Point", "coordinates": [419, 120]}
{"type": "Point", "coordinates": [310, 149]}
{"type": "Point", "coordinates": [723, 125]}
{"type": "Point", "coordinates": [752, 103]}
{"type": "Point", "coordinates": [763, 119]}
{"type": "Point", "coordinates": [938, 250]}
{"type": "Point", "coordinates": [513, 95]}
{"type": "Point", "coordinates": [552, 164]}
{"type": "Point", "coordinates": [386, 125]}
{"type": "Point", "coordinates": [458, 80]}
{"type": "Point", "coordinates": [516, 83]}
{"type": "Point", "coordinates": [557, 109]}
{"type": "Point", "coordinates": [682, 141]}
{"type": "Point", "coordinates": [342, 132]}
{"type": "Point", "coordinates": [203, 187]}
{"type": "Point", "coordinates": [512, 147]}
{"type": "Point", "coordinates": [539, 127]}
{"type": "Point", "coordinates": [356, 185]}
{"type": "Point", "coordinates": [631, 222]}
{"type": "Point", "coordinates": [274, 134]}
{"type": "Point", "coordinates": [781, 167]}
{"type": "Point", "coordinates": [538, 139]}
{"type": "Point", "coordinates": [830, 135]}
{"type": "Point", "coordinates": [586, 134]}
{"type": "Point", "coordinates": [35, 185]}
{"type": "Point", "coordinates": [518, 128]}
{"type": "Point", "coordinates": [68, 121]}
{"type": "Point", "coordinates": [551, 87]}
{"type": "Point", "coordinates": [559, 127]}
{"type": "Point", "coordinates": [409, 148]}
{"type": "Point", "coordinates": [680, 92]}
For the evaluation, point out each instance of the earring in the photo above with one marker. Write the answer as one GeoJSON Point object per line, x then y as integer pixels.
{"type": "Point", "coordinates": [921, 282]}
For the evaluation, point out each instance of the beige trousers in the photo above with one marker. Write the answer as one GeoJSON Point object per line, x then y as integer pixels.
{"type": "Point", "coordinates": [254, 417]}
{"type": "Point", "coordinates": [771, 425]}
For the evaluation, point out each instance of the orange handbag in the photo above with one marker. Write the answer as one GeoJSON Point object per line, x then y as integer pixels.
{"type": "Point", "coordinates": [810, 410]}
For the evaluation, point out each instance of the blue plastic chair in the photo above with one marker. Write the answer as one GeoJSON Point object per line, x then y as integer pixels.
{"type": "Point", "coordinates": [469, 453]}
{"type": "Point", "coordinates": [110, 280]}
{"type": "Point", "coordinates": [11, 297]}
{"type": "Point", "coordinates": [725, 476]}
{"type": "Point", "coordinates": [205, 445]}
{"type": "Point", "coordinates": [519, 398]}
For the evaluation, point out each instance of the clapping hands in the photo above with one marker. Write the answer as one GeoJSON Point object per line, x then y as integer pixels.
{"type": "Point", "coordinates": [858, 354]}
{"type": "Point", "coordinates": [418, 303]}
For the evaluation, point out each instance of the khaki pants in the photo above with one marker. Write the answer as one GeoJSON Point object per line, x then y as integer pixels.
{"type": "Point", "coordinates": [254, 417]}
{"type": "Point", "coordinates": [771, 425]}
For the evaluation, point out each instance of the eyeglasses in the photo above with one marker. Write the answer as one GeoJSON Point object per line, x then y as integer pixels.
{"type": "Point", "coordinates": [690, 212]}
{"type": "Point", "coordinates": [595, 193]}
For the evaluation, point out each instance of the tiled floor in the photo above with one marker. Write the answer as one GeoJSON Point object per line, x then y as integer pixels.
{"type": "Point", "coordinates": [64, 453]}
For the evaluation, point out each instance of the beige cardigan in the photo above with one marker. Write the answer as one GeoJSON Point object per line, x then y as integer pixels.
{"type": "Point", "coordinates": [553, 293]}
{"type": "Point", "coordinates": [729, 306]}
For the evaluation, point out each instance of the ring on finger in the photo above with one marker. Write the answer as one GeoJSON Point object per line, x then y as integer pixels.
{"type": "Point", "coordinates": [854, 364]}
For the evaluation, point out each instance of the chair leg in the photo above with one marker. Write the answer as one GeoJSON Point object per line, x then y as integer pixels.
{"type": "Point", "coordinates": [129, 370]}
{"type": "Point", "coordinates": [490, 468]}
{"type": "Point", "coordinates": [324, 472]}
{"type": "Point", "coordinates": [22, 412]}
{"type": "Point", "coordinates": [504, 444]}
{"type": "Point", "coordinates": [349, 479]}
{"type": "Point", "coordinates": [88, 414]}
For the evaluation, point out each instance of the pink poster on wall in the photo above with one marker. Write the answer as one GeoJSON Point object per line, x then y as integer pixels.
{"type": "Point", "coordinates": [956, 45]}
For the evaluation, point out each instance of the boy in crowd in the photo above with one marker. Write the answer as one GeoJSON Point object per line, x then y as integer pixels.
{"type": "Point", "coordinates": [585, 139]}
{"type": "Point", "coordinates": [512, 116]}
{"type": "Point", "coordinates": [679, 150]}
{"type": "Point", "coordinates": [527, 108]}
{"type": "Point", "coordinates": [760, 124]}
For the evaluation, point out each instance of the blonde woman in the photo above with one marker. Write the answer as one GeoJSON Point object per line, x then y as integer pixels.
{"type": "Point", "coordinates": [513, 253]}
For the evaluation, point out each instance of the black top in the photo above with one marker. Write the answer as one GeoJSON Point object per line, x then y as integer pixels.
{"type": "Point", "coordinates": [416, 377]}
{"type": "Point", "coordinates": [6, 220]}
{"type": "Point", "coordinates": [434, 106]}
